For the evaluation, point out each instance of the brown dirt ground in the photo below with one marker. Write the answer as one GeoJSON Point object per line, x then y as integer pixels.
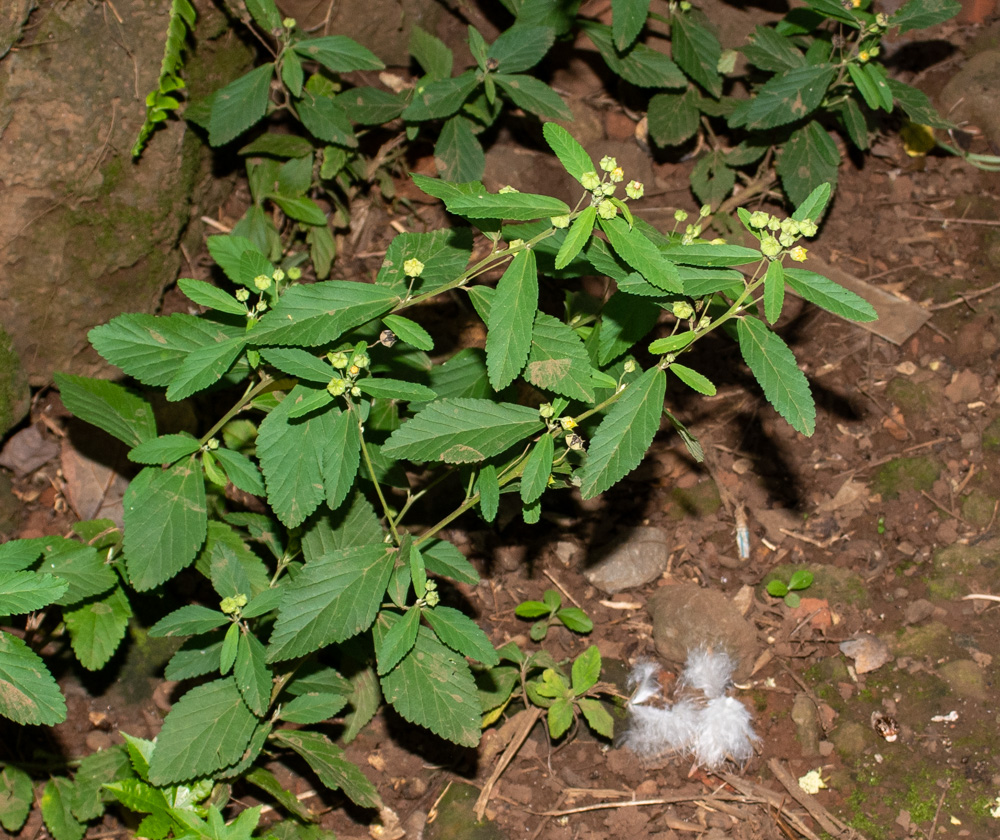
{"type": "Point", "coordinates": [892, 503]}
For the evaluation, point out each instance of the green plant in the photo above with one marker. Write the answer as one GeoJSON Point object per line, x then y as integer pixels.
{"type": "Point", "coordinates": [573, 618]}
{"type": "Point", "coordinates": [800, 579]}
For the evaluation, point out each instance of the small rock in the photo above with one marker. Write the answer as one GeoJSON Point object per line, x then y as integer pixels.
{"type": "Point", "coordinates": [639, 558]}
{"type": "Point", "coordinates": [686, 617]}
{"type": "Point", "coordinates": [918, 611]}
{"type": "Point", "coordinates": [26, 451]}
{"type": "Point", "coordinates": [963, 388]}
{"type": "Point", "coordinates": [806, 721]}
{"type": "Point", "coordinates": [868, 652]}
{"type": "Point", "coordinates": [965, 678]}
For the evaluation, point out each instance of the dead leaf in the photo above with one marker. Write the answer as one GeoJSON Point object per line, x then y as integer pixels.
{"type": "Point", "coordinates": [895, 424]}
{"type": "Point", "coordinates": [868, 652]}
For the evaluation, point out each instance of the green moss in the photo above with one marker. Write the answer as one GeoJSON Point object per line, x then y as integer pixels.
{"type": "Point", "coordinates": [915, 398]}
{"type": "Point", "coordinates": [701, 500]}
{"type": "Point", "coordinates": [977, 508]}
{"type": "Point", "coordinates": [991, 436]}
{"type": "Point", "coordinates": [900, 474]}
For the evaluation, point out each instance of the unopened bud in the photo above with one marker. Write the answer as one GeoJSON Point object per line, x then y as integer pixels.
{"type": "Point", "coordinates": [413, 267]}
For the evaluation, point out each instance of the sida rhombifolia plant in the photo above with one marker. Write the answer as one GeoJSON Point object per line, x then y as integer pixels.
{"type": "Point", "coordinates": [324, 598]}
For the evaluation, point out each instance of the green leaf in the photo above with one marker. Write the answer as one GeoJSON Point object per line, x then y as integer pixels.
{"type": "Point", "coordinates": [586, 670]}
{"type": "Point", "coordinates": [266, 780]}
{"type": "Point", "coordinates": [205, 294]}
{"type": "Point", "coordinates": [488, 489]}
{"type": "Point", "coordinates": [515, 206]}
{"type": "Point", "coordinates": [532, 609]}
{"type": "Point", "coordinates": [300, 208]}
{"type": "Point", "coordinates": [371, 106]}
{"type": "Point", "coordinates": [457, 153]}
{"type": "Point", "coordinates": [396, 389]}
{"type": "Point", "coordinates": [253, 678]}
{"type": "Point", "coordinates": [17, 555]}
{"type": "Point", "coordinates": [310, 315]}
{"type": "Point", "coordinates": [462, 431]}
{"type": "Point", "coordinates": [709, 255]}
{"type": "Point", "coordinates": [328, 763]}
{"type": "Point", "coordinates": [339, 54]}
{"type": "Point", "coordinates": [28, 692]}
{"type": "Point", "coordinates": [640, 65]}
{"type": "Point", "coordinates": [917, 105]}
{"type": "Point", "coordinates": [432, 686]}
{"type": "Point", "coordinates": [96, 770]}
{"type": "Point", "coordinates": [771, 51]}
{"type": "Point", "coordinates": [333, 598]}
{"type": "Point", "coordinates": [239, 105]}
{"type": "Point", "coordinates": [442, 98]}
{"type": "Point", "coordinates": [571, 154]}
{"type": "Point", "coordinates": [80, 566]}
{"type": "Point", "coordinates": [814, 205]}
{"type": "Point", "coordinates": [627, 19]}
{"type": "Point", "coordinates": [577, 236]}
{"type": "Point", "coordinates": [265, 14]}
{"type": "Point", "coordinates": [463, 375]}
{"type": "Point", "coordinates": [228, 251]}
{"type": "Point", "coordinates": [521, 47]}
{"type": "Point", "coordinates": [693, 379]}
{"type": "Point", "coordinates": [696, 49]}
{"type": "Point", "coordinates": [625, 320]}
{"type": "Point", "coordinates": [920, 14]}
{"type": "Point", "coordinates": [227, 656]}
{"type": "Point", "coordinates": [508, 340]}
{"type": "Point", "coordinates": [57, 810]}
{"type": "Point", "coordinates": [206, 730]}
{"type": "Point", "coordinates": [241, 471]}
{"type": "Point", "coordinates": [300, 363]}
{"type": "Point", "coordinates": [232, 567]}
{"type": "Point", "coordinates": [164, 450]}
{"type": "Point", "coordinates": [24, 592]}
{"type": "Point", "coordinates": [279, 145]}
{"type": "Point", "coordinates": [442, 558]}
{"type": "Point", "coordinates": [341, 458]}
{"type": "Point", "coordinates": [312, 707]}
{"type": "Point", "coordinates": [431, 53]}
{"type": "Point", "coordinates": [165, 522]}
{"type": "Point", "coordinates": [537, 470]}
{"type": "Point", "coordinates": [790, 96]}
{"type": "Point", "coordinates": [16, 797]}
{"type": "Point", "coordinates": [774, 291]}
{"type": "Point", "coordinates": [880, 80]}
{"type": "Point", "coordinates": [559, 717]}
{"type": "Point", "coordinates": [461, 634]}
{"type": "Point", "coordinates": [397, 641]}
{"type": "Point", "coordinates": [625, 433]}
{"type": "Point", "coordinates": [97, 627]}
{"type": "Point", "coordinates": [632, 245]}
{"type": "Point", "coordinates": [712, 179]}
{"type": "Point", "coordinates": [534, 96]}
{"type": "Point", "coordinates": [326, 120]}
{"type": "Point", "coordinates": [832, 297]}
{"type": "Point", "coordinates": [774, 367]}
{"type": "Point", "coordinates": [409, 331]}
{"type": "Point", "coordinates": [444, 253]}
{"type": "Point", "coordinates": [188, 620]}
{"type": "Point", "coordinates": [777, 588]}
{"type": "Point", "coordinates": [808, 160]}
{"type": "Point", "coordinates": [558, 360]}
{"type": "Point", "coordinates": [598, 718]}
{"type": "Point", "coordinates": [865, 85]}
{"type": "Point", "coordinates": [205, 366]}
{"type": "Point", "coordinates": [673, 117]}
{"type": "Point", "coordinates": [855, 123]}
{"type": "Point", "coordinates": [800, 579]}
{"type": "Point", "coordinates": [575, 619]}
{"type": "Point", "coordinates": [672, 343]}
{"type": "Point", "coordinates": [109, 406]}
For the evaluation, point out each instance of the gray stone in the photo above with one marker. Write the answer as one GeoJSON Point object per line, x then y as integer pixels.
{"type": "Point", "coordinates": [806, 720]}
{"type": "Point", "coordinates": [686, 617]}
{"type": "Point", "coordinates": [640, 557]}
{"type": "Point", "coordinates": [971, 94]}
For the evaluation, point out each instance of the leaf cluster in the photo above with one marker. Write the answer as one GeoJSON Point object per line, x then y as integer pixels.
{"type": "Point", "coordinates": [800, 579]}
{"type": "Point", "coordinates": [550, 611]}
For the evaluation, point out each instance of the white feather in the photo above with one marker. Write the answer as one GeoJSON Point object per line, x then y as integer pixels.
{"type": "Point", "coordinates": [725, 733]}
{"type": "Point", "coordinates": [654, 732]}
{"type": "Point", "coordinates": [644, 682]}
{"type": "Point", "coordinates": [708, 672]}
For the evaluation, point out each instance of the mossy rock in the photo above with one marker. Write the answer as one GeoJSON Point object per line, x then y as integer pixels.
{"type": "Point", "coordinates": [958, 569]}
{"type": "Point", "coordinates": [991, 436]}
{"type": "Point", "coordinates": [977, 508]}
{"type": "Point", "coordinates": [901, 474]}
{"type": "Point", "coordinates": [701, 500]}
{"type": "Point", "coordinates": [456, 819]}
{"type": "Point", "coordinates": [15, 396]}
{"type": "Point", "coordinates": [931, 640]}
{"type": "Point", "coordinates": [838, 586]}
{"type": "Point", "coordinates": [915, 397]}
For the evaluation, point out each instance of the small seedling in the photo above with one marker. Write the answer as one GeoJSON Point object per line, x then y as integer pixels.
{"type": "Point", "coordinates": [800, 579]}
{"type": "Point", "coordinates": [553, 611]}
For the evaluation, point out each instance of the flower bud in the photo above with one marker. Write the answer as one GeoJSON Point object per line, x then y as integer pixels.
{"type": "Point", "coordinates": [559, 222]}
{"type": "Point", "coordinates": [295, 273]}
{"type": "Point", "coordinates": [387, 338]}
{"type": "Point", "coordinates": [607, 210]}
{"type": "Point", "coordinates": [590, 180]}
{"type": "Point", "coordinates": [338, 360]}
{"type": "Point", "coordinates": [759, 219]}
{"type": "Point", "coordinates": [507, 190]}
{"type": "Point", "coordinates": [242, 295]}
{"type": "Point", "coordinates": [798, 253]}
{"type": "Point", "coordinates": [355, 391]}
{"type": "Point", "coordinates": [567, 423]}
{"type": "Point", "coordinates": [617, 174]}
{"type": "Point", "coordinates": [288, 23]}
{"type": "Point", "coordinates": [336, 386]}
{"type": "Point", "coordinates": [770, 247]}
{"type": "Point", "coordinates": [413, 267]}
{"type": "Point", "coordinates": [361, 360]}
{"type": "Point", "coordinates": [705, 211]}
{"type": "Point", "coordinates": [786, 239]}
{"type": "Point", "coordinates": [680, 215]}
{"type": "Point", "coordinates": [278, 275]}
{"type": "Point", "coordinates": [634, 189]}
{"type": "Point", "coordinates": [608, 163]}
{"type": "Point", "coordinates": [545, 411]}
{"type": "Point", "coordinates": [262, 282]}
{"type": "Point", "coordinates": [683, 310]}
{"type": "Point", "coordinates": [808, 228]}
{"type": "Point", "coordinates": [790, 226]}
{"type": "Point", "coordinates": [629, 365]}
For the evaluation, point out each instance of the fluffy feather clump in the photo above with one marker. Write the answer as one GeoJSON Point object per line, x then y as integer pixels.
{"type": "Point", "coordinates": [704, 723]}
